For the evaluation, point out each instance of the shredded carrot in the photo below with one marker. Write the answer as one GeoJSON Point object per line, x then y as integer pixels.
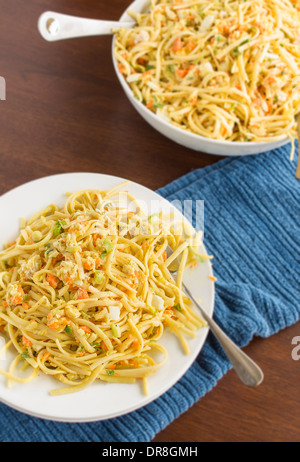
{"type": "Point", "coordinates": [95, 237]}
{"type": "Point", "coordinates": [98, 262]}
{"type": "Point", "coordinates": [18, 299]}
{"type": "Point", "coordinates": [103, 346]}
{"type": "Point", "coordinates": [191, 44]}
{"type": "Point", "coordinates": [181, 72]}
{"type": "Point", "coordinates": [223, 131]}
{"type": "Point", "coordinates": [26, 342]}
{"type": "Point", "coordinates": [178, 45]}
{"type": "Point", "coordinates": [55, 325]}
{"type": "Point", "coordinates": [121, 68]}
{"type": "Point", "coordinates": [134, 363]}
{"type": "Point", "coordinates": [150, 104]}
{"type": "Point", "coordinates": [68, 281]}
{"type": "Point", "coordinates": [45, 357]}
{"type": "Point", "coordinates": [82, 293]}
{"type": "Point", "coordinates": [142, 61]}
{"type": "Point", "coordinates": [57, 259]}
{"type": "Point", "coordinates": [52, 280]}
{"type": "Point", "coordinates": [88, 266]}
{"type": "Point", "coordinates": [169, 312]}
{"type": "Point", "coordinates": [58, 324]}
{"type": "Point", "coordinates": [86, 329]}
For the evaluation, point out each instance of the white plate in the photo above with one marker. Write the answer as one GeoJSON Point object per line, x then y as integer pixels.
{"type": "Point", "coordinates": [100, 400]}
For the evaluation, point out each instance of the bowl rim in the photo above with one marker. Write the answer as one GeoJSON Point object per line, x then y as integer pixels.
{"type": "Point", "coordinates": [170, 126]}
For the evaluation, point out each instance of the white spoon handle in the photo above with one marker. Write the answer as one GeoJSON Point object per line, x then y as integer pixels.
{"type": "Point", "coordinates": [55, 26]}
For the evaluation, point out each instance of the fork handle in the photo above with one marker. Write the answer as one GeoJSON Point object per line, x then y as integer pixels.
{"type": "Point", "coordinates": [247, 370]}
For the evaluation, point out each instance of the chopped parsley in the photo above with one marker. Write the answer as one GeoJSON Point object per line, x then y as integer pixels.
{"type": "Point", "coordinates": [243, 43]}
{"type": "Point", "coordinates": [68, 330]}
{"type": "Point", "coordinates": [236, 52]}
{"type": "Point", "coordinates": [106, 248]}
{"type": "Point", "coordinates": [99, 276]}
{"type": "Point", "coordinates": [97, 346]}
{"type": "Point", "coordinates": [156, 104]}
{"type": "Point", "coordinates": [58, 228]}
{"type": "Point", "coordinates": [177, 307]}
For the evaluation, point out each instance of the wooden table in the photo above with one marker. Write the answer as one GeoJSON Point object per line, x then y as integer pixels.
{"type": "Point", "coordinates": [65, 111]}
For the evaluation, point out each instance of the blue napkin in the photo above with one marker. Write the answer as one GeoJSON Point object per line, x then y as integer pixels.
{"type": "Point", "coordinates": [252, 210]}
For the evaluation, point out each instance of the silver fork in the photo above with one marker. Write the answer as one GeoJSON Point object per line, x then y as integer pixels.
{"type": "Point", "coordinates": [247, 370]}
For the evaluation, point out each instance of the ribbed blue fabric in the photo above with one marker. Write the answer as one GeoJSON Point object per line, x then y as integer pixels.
{"type": "Point", "coordinates": [252, 211]}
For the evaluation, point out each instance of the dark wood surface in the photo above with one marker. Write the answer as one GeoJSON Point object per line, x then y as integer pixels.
{"type": "Point", "coordinates": [66, 112]}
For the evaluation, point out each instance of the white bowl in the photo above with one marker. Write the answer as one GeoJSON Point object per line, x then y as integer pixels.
{"type": "Point", "coordinates": [187, 139]}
